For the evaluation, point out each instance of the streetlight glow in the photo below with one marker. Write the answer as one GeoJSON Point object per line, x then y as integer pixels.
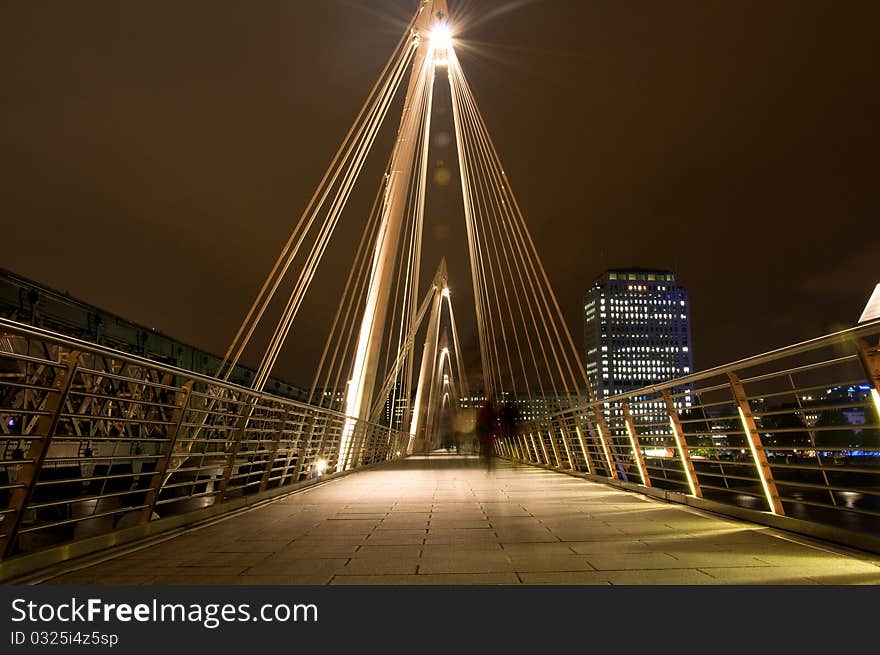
{"type": "Point", "coordinates": [441, 43]}
{"type": "Point", "coordinates": [441, 36]}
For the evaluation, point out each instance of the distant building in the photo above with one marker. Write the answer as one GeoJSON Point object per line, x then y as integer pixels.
{"type": "Point", "coordinates": [30, 302]}
{"type": "Point", "coordinates": [636, 331]}
{"type": "Point", "coordinates": [858, 395]}
{"type": "Point", "coordinates": [528, 408]}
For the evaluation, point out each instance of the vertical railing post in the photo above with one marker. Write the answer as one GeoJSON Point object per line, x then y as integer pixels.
{"type": "Point", "coordinates": [682, 447]}
{"type": "Point", "coordinates": [325, 433]}
{"type": "Point", "coordinates": [503, 446]}
{"type": "Point", "coordinates": [816, 451]}
{"type": "Point", "coordinates": [759, 455]}
{"type": "Point", "coordinates": [521, 444]}
{"type": "Point", "coordinates": [355, 450]}
{"type": "Point", "coordinates": [538, 459]}
{"type": "Point", "coordinates": [43, 433]}
{"type": "Point", "coordinates": [634, 443]}
{"type": "Point", "coordinates": [871, 363]}
{"type": "Point", "coordinates": [390, 444]}
{"type": "Point", "coordinates": [553, 445]}
{"type": "Point", "coordinates": [523, 447]}
{"type": "Point", "coordinates": [240, 431]}
{"type": "Point", "coordinates": [540, 437]}
{"type": "Point", "coordinates": [157, 480]}
{"type": "Point", "coordinates": [366, 446]}
{"type": "Point", "coordinates": [308, 433]}
{"type": "Point", "coordinates": [270, 464]}
{"type": "Point", "coordinates": [400, 441]}
{"type": "Point", "coordinates": [579, 430]}
{"type": "Point", "coordinates": [566, 443]}
{"type": "Point", "coordinates": [602, 429]}
{"type": "Point", "coordinates": [371, 441]}
{"type": "Point", "coordinates": [517, 447]}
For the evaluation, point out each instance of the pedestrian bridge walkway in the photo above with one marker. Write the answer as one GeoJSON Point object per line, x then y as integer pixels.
{"type": "Point", "coordinates": [447, 520]}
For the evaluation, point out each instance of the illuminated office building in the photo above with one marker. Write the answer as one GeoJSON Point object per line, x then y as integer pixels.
{"type": "Point", "coordinates": [636, 331]}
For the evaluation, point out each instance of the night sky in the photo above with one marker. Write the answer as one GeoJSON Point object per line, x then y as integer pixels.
{"type": "Point", "coordinates": [155, 155]}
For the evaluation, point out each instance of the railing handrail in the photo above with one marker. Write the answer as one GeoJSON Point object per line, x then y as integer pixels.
{"type": "Point", "coordinates": [24, 329]}
{"type": "Point", "coordinates": [842, 336]}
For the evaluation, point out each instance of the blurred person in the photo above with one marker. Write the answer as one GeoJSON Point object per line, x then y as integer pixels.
{"type": "Point", "coordinates": [487, 431]}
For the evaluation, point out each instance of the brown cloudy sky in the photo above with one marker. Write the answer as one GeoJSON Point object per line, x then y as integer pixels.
{"type": "Point", "coordinates": [155, 154]}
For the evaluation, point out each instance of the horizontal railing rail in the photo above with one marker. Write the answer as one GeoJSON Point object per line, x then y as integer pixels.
{"type": "Point", "coordinates": [93, 440]}
{"type": "Point", "coordinates": [793, 432]}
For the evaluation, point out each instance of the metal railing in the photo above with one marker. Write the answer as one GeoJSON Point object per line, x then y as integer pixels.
{"type": "Point", "coordinates": [794, 432]}
{"type": "Point", "coordinates": [94, 440]}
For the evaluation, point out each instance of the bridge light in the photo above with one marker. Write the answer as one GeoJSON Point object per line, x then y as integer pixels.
{"type": "Point", "coordinates": [441, 36]}
{"type": "Point", "coordinates": [321, 466]}
{"type": "Point", "coordinates": [441, 43]}
{"type": "Point", "coordinates": [445, 292]}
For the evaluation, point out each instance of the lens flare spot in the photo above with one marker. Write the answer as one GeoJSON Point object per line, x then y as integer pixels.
{"type": "Point", "coordinates": [442, 176]}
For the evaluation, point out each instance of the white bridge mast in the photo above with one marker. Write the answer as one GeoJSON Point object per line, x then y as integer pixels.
{"type": "Point", "coordinates": [432, 15]}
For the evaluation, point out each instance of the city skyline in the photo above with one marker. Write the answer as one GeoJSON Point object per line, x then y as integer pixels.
{"type": "Point", "coordinates": [162, 193]}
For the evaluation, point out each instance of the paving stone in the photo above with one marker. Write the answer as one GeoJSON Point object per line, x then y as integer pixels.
{"type": "Point", "coordinates": [564, 578]}
{"type": "Point", "coordinates": [257, 546]}
{"type": "Point", "coordinates": [311, 551]}
{"type": "Point", "coordinates": [537, 548]}
{"type": "Point", "coordinates": [461, 537]}
{"type": "Point", "coordinates": [199, 570]}
{"type": "Point", "coordinates": [421, 579]}
{"type": "Point", "coordinates": [759, 575]}
{"type": "Point", "coordinates": [456, 549]}
{"type": "Point", "coordinates": [380, 566]}
{"type": "Point", "coordinates": [95, 578]}
{"type": "Point", "coordinates": [439, 527]}
{"type": "Point", "coordinates": [309, 566]}
{"type": "Point", "coordinates": [469, 562]}
{"type": "Point", "coordinates": [388, 551]}
{"type": "Point", "coordinates": [419, 524]}
{"type": "Point", "coordinates": [609, 547]}
{"type": "Point", "coordinates": [396, 538]}
{"type": "Point", "coordinates": [523, 562]}
{"type": "Point", "coordinates": [720, 559]}
{"type": "Point", "coordinates": [634, 561]}
{"type": "Point", "coordinates": [660, 577]}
